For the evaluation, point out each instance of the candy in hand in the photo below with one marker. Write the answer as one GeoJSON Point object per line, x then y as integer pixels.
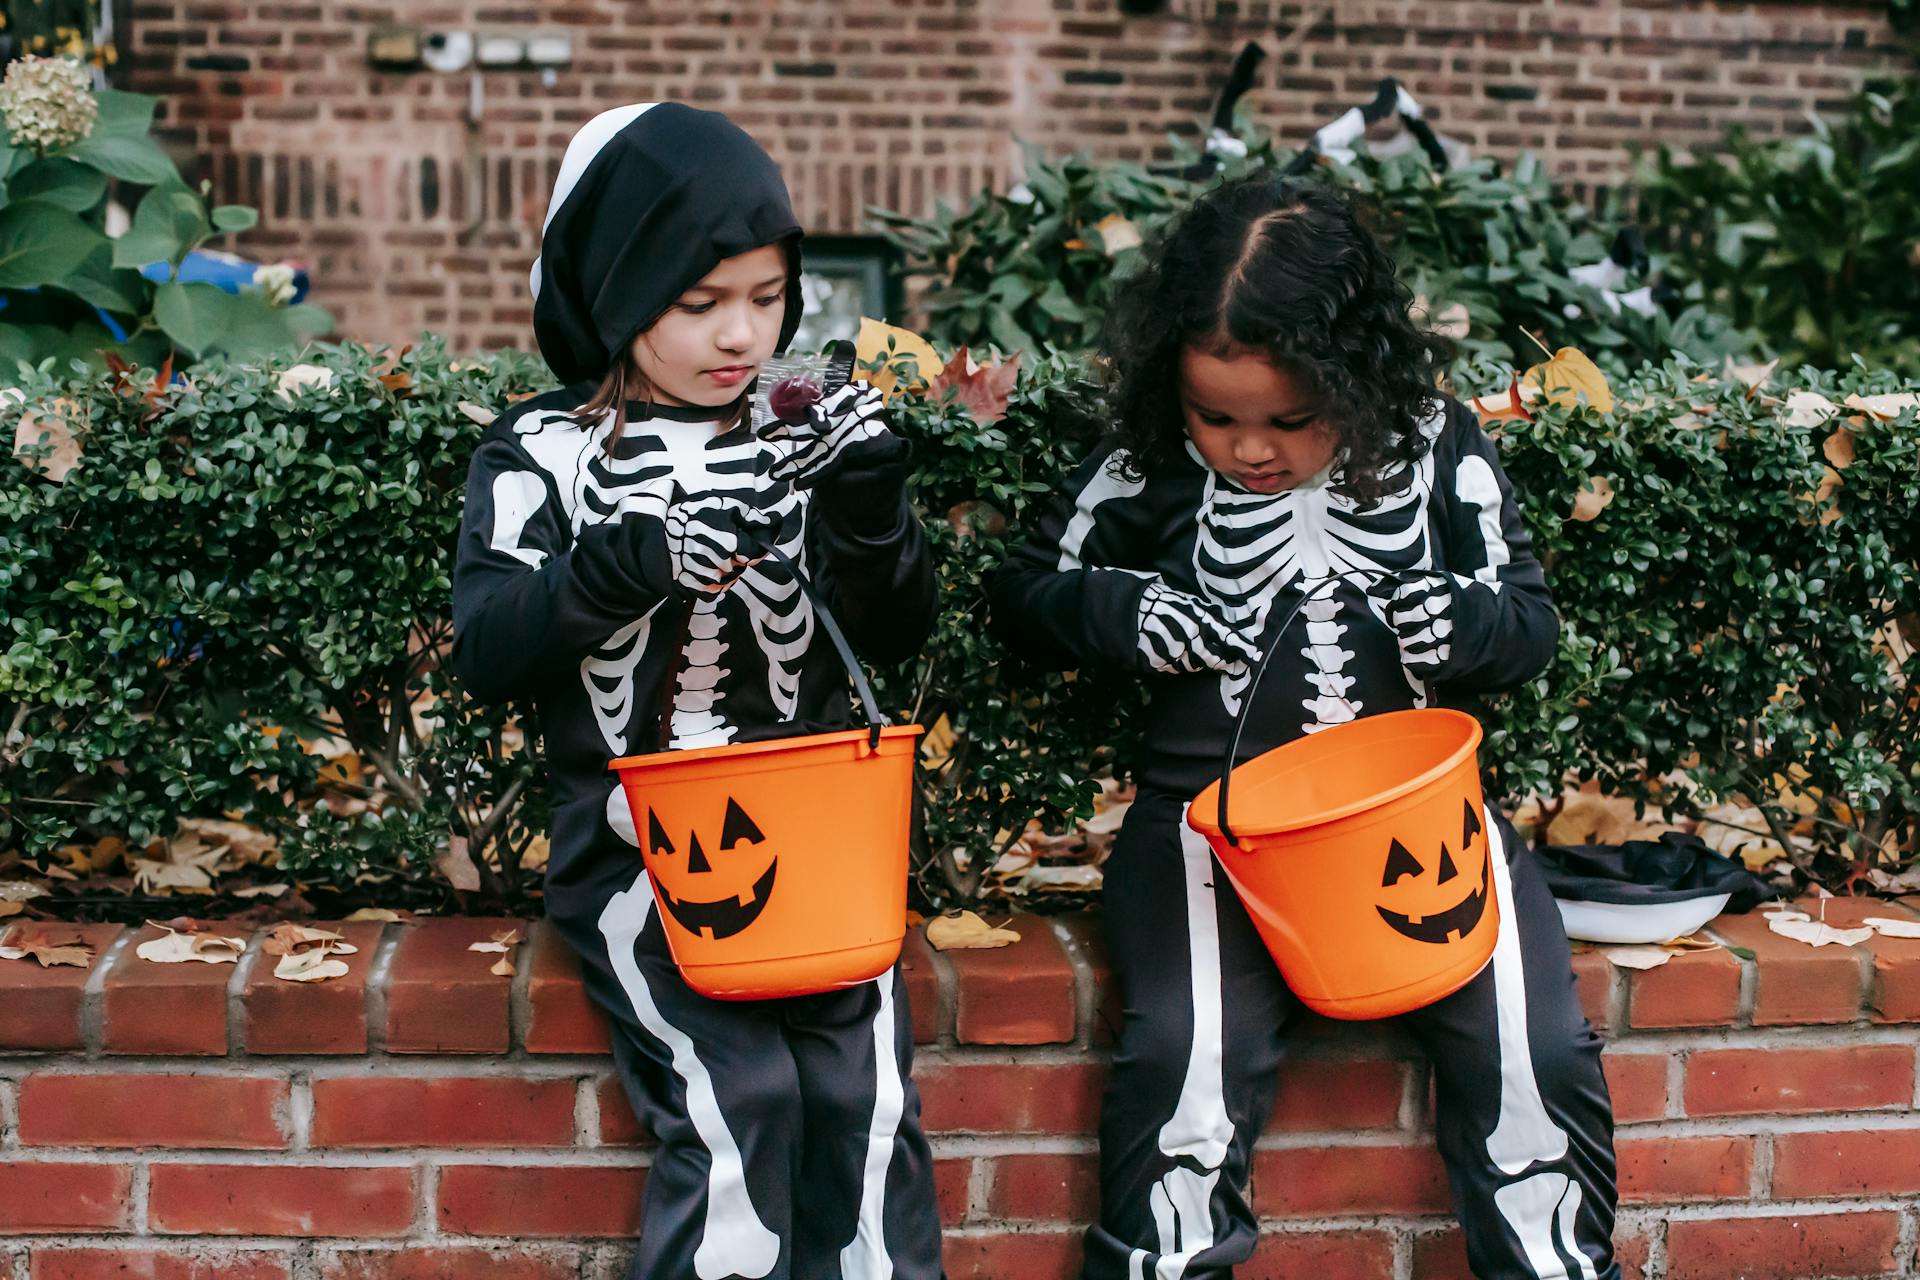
{"type": "Point", "coordinates": [791, 397]}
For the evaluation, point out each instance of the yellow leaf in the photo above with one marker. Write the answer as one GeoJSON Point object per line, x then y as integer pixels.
{"type": "Point", "coordinates": [261, 891]}
{"type": "Point", "coordinates": [911, 364]}
{"type": "Point", "coordinates": [175, 947]}
{"type": "Point", "coordinates": [386, 914]}
{"type": "Point", "coordinates": [1636, 957]}
{"type": "Point", "coordinates": [1754, 376]}
{"type": "Point", "coordinates": [1884, 407]}
{"type": "Point", "coordinates": [1567, 376]}
{"type": "Point", "coordinates": [965, 931]}
{"type": "Point", "coordinates": [10, 908]}
{"type": "Point", "coordinates": [474, 413]}
{"type": "Point", "coordinates": [1117, 234]}
{"type": "Point", "coordinates": [1594, 497]}
{"type": "Point", "coordinates": [503, 967]}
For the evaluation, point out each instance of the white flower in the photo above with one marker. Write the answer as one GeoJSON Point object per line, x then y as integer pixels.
{"type": "Point", "coordinates": [275, 280]}
{"type": "Point", "coordinates": [48, 103]}
{"type": "Point", "coordinates": [1020, 193]}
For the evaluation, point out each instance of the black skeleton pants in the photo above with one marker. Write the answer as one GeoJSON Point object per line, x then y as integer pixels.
{"type": "Point", "coordinates": [789, 1140]}
{"type": "Point", "coordinates": [1524, 1122]}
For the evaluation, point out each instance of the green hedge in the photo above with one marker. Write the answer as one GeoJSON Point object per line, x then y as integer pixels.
{"type": "Point", "coordinates": [231, 575]}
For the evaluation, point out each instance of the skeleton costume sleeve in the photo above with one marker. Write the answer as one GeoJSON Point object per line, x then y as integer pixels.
{"type": "Point", "coordinates": [1503, 623]}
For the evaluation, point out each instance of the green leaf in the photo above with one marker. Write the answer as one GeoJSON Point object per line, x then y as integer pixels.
{"type": "Point", "coordinates": [123, 112]}
{"type": "Point", "coordinates": [169, 222]}
{"type": "Point", "coordinates": [235, 217]}
{"type": "Point", "coordinates": [99, 282]}
{"type": "Point", "coordinates": [128, 157]}
{"type": "Point", "coordinates": [67, 184]}
{"type": "Point", "coordinates": [196, 316]}
{"type": "Point", "coordinates": [41, 244]}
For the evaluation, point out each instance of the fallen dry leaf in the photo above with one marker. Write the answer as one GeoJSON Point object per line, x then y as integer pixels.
{"type": "Point", "coordinates": [475, 413]}
{"type": "Point", "coordinates": [50, 430]}
{"type": "Point", "coordinates": [1893, 928]}
{"type": "Point", "coordinates": [48, 947]}
{"type": "Point", "coordinates": [503, 967]}
{"type": "Point", "coordinates": [386, 914]}
{"type": "Point", "coordinates": [965, 931]}
{"type": "Point", "coordinates": [1501, 406]}
{"type": "Point", "coordinates": [1839, 448]}
{"type": "Point", "coordinates": [21, 890]}
{"type": "Point", "coordinates": [309, 966]}
{"type": "Point", "coordinates": [261, 891]}
{"type": "Point", "coordinates": [1637, 957]}
{"type": "Point", "coordinates": [10, 908]}
{"type": "Point", "coordinates": [1754, 376]}
{"type": "Point", "coordinates": [1568, 375]}
{"type": "Point", "coordinates": [1884, 407]}
{"type": "Point", "coordinates": [176, 946]}
{"type": "Point", "coordinates": [983, 390]}
{"type": "Point", "coordinates": [1594, 497]}
{"type": "Point", "coordinates": [1815, 933]}
{"type": "Point", "coordinates": [1118, 234]}
{"type": "Point", "coordinates": [456, 867]}
{"type": "Point", "coordinates": [293, 939]}
{"type": "Point", "coordinates": [1807, 409]}
{"type": "Point", "coordinates": [1692, 942]}
{"type": "Point", "coordinates": [502, 942]}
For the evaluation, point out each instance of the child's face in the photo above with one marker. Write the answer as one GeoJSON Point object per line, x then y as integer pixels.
{"type": "Point", "coordinates": [1255, 422]}
{"type": "Point", "coordinates": [709, 344]}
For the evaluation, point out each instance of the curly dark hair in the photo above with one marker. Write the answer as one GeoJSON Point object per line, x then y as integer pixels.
{"type": "Point", "coordinates": [1280, 266]}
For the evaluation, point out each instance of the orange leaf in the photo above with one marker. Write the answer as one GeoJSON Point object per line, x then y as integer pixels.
{"type": "Point", "coordinates": [48, 947]}
{"type": "Point", "coordinates": [1501, 406]}
{"type": "Point", "coordinates": [982, 389]}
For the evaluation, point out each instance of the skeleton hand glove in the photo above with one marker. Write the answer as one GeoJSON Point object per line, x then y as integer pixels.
{"type": "Point", "coordinates": [1419, 609]}
{"type": "Point", "coordinates": [1184, 634]}
{"type": "Point", "coordinates": [850, 418]}
{"type": "Point", "coordinates": [713, 538]}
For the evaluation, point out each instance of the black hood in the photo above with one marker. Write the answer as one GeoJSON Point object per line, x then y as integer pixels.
{"type": "Point", "coordinates": [650, 198]}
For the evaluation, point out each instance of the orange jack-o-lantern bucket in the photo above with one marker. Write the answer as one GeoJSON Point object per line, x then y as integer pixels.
{"type": "Point", "coordinates": [1361, 853]}
{"type": "Point", "coordinates": [780, 867]}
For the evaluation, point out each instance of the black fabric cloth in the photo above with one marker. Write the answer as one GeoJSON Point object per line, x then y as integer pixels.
{"type": "Point", "coordinates": [1070, 595]}
{"type": "Point", "coordinates": [1522, 1116]}
{"type": "Point", "coordinates": [1674, 868]}
{"type": "Point", "coordinates": [643, 223]}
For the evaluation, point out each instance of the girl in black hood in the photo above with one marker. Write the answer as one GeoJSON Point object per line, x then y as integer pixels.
{"type": "Point", "coordinates": [611, 567]}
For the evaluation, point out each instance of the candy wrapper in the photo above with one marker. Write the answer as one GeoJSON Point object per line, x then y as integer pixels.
{"type": "Point", "coordinates": [791, 384]}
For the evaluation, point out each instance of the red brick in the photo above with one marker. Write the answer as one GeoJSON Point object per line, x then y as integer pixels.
{"type": "Point", "coordinates": [152, 1110]}
{"type": "Point", "coordinates": [1087, 938]}
{"type": "Point", "coordinates": [1020, 994]}
{"type": "Point", "coordinates": [1320, 1094]}
{"type": "Point", "coordinates": [42, 1197]}
{"type": "Point", "coordinates": [442, 997]}
{"type": "Point", "coordinates": [1040, 1255]}
{"type": "Point", "coordinates": [952, 1187]}
{"type": "Point", "coordinates": [453, 1264]}
{"type": "Point", "coordinates": [158, 1264]}
{"type": "Point", "coordinates": [1048, 1187]}
{"type": "Point", "coordinates": [561, 1017]}
{"type": "Point", "coordinates": [165, 1008]}
{"type": "Point", "coordinates": [1008, 1098]}
{"type": "Point", "coordinates": [1694, 989]}
{"type": "Point", "coordinates": [280, 1200]}
{"type": "Point", "coordinates": [1311, 1182]}
{"type": "Point", "coordinates": [579, 1200]}
{"type": "Point", "coordinates": [1747, 1081]}
{"type": "Point", "coordinates": [1669, 1169]}
{"type": "Point", "coordinates": [1795, 984]}
{"type": "Point", "coordinates": [43, 1005]}
{"type": "Point", "coordinates": [1855, 1243]}
{"type": "Point", "coordinates": [454, 1111]}
{"type": "Point", "coordinates": [313, 1017]}
{"type": "Point", "coordinates": [1442, 1255]}
{"type": "Point", "coordinates": [919, 972]}
{"type": "Point", "coordinates": [1637, 1082]}
{"type": "Point", "coordinates": [618, 1125]}
{"type": "Point", "coordinates": [1593, 984]}
{"type": "Point", "coordinates": [1323, 1255]}
{"type": "Point", "coordinates": [1895, 993]}
{"type": "Point", "coordinates": [1848, 1162]}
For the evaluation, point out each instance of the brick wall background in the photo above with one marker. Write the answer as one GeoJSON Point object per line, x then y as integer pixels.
{"type": "Point", "coordinates": [413, 217]}
{"type": "Point", "coordinates": [421, 1118]}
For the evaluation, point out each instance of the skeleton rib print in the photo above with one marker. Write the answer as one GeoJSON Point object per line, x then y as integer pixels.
{"type": "Point", "coordinates": [764, 619]}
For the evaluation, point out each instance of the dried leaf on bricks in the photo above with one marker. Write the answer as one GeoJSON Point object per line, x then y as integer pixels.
{"type": "Point", "coordinates": [965, 931]}
{"type": "Point", "coordinates": [309, 966]}
{"type": "Point", "coordinates": [502, 942]}
{"type": "Point", "coordinates": [1893, 928]}
{"type": "Point", "coordinates": [47, 947]}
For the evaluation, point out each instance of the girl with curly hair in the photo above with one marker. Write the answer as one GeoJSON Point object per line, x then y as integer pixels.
{"type": "Point", "coordinates": [1281, 432]}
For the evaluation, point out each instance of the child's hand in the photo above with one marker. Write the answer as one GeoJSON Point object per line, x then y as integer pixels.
{"type": "Point", "coordinates": [851, 417]}
{"type": "Point", "coordinates": [1185, 634]}
{"type": "Point", "coordinates": [1419, 609]}
{"type": "Point", "coordinates": [713, 538]}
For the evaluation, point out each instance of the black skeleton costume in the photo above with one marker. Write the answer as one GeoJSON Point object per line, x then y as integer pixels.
{"type": "Point", "coordinates": [625, 591]}
{"type": "Point", "coordinates": [1178, 575]}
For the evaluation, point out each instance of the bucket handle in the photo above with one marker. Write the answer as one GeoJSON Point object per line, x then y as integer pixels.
{"type": "Point", "coordinates": [1260, 669]}
{"type": "Point", "coordinates": [875, 720]}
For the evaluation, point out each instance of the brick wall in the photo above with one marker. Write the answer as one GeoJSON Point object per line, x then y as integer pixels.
{"type": "Point", "coordinates": [413, 219]}
{"type": "Point", "coordinates": [194, 1122]}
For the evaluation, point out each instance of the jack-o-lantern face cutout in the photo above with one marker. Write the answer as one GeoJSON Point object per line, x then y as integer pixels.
{"type": "Point", "coordinates": [717, 901]}
{"type": "Point", "coordinates": [1443, 918]}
